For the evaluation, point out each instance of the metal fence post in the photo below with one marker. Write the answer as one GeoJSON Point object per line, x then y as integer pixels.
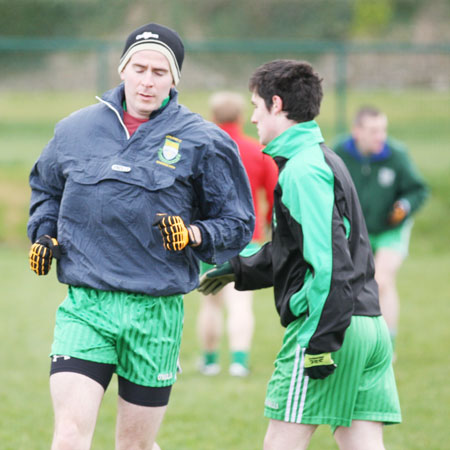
{"type": "Point", "coordinates": [102, 69]}
{"type": "Point", "coordinates": [341, 88]}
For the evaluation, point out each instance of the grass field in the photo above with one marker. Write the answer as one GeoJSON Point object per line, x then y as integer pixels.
{"type": "Point", "coordinates": [221, 412]}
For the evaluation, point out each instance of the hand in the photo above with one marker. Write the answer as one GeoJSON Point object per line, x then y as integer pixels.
{"type": "Point", "coordinates": [215, 279]}
{"type": "Point", "coordinates": [319, 366]}
{"type": "Point", "coordinates": [42, 253]}
{"type": "Point", "coordinates": [398, 213]}
{"type": "Point", "coordinates": [176, 235]}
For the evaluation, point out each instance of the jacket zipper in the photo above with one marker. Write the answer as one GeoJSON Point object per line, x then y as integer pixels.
{"type": "Point", "coordinates": [116, 113]}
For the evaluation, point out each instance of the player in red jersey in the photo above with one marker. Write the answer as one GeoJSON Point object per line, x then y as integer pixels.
{"type": "Point", "coordinates": [227, 109]}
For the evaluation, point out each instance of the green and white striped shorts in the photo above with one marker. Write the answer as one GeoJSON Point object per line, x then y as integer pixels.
{"type": "Point", "coordinates": [138, 333]}
{"type": "Point", "coordinates": [361, 388]}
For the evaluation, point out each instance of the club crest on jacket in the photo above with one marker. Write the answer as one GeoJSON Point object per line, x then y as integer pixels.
{"type": "Point", "coordinates": [169, 153]}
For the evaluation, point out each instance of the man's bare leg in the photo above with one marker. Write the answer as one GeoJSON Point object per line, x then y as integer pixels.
{"type": "Point", "coordinates": [76, 401]}
{"type": "Point", "coordinates": [361, 434]}
{"type": "Point", "coordinates": [387, 264]}
{"type": "Point", "coordinates": [287, 436]}
{"type": "Point", "coordinates": [137, 426]}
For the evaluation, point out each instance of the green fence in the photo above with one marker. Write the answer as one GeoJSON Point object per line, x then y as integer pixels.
{"type": "Point", "coordinates": [339, 50]}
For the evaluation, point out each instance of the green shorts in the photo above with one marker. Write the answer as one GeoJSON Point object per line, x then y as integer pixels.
{"type": "Point", "coordinates": [138, 333]}
{"type": "Point", "coordinates": [396, 239]}
{"type": "Point", "coordinates": [361, 388]}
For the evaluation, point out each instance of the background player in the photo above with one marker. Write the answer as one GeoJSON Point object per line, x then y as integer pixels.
{"type": "Point", "coordinates": [390, 190]}
{"type": "Point", "coordinates": [227, 109]}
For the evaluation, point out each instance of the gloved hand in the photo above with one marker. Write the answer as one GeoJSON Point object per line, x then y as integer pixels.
{"type": "Point", "coordinates": [42, 253]}
{"type": "Point", "coordinates": [399, 211]}
{"type": "Point", "coordinates": [176, 235]}
{"type": "Point", "coordinates": [216, 278]}
{"type": "Point", "coordinates": [319, 366]}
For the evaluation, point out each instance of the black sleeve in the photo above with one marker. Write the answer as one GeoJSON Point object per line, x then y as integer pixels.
{"type": "Point", "coordinates": [255, 271]}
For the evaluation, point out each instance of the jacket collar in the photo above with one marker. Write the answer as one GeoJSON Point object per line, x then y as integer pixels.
{"type": "Point", "coordinates": [116, 96]}
{"type": "Point", "coordinates": [294, 140]}
{"type": "Point", "coordinates": [352, 149]}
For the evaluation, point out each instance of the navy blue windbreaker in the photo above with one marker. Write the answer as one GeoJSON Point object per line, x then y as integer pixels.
{"type": "Point", "coordinates": [97, 191]}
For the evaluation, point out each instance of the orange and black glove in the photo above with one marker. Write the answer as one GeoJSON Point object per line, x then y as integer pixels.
{"type": "Point", "coordinates": [176, 235]}
{"type": "Point", "coordinates": [399, 211]}
{"type": "Point", "coordinates": [42, 253]}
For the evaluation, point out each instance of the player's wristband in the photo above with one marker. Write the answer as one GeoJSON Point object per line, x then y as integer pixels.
{"type": "Point", "coordinates": [322, 359]}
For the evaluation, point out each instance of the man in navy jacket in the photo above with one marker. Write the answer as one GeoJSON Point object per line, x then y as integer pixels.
{"type": "Point", "coordinates": [128, 195]}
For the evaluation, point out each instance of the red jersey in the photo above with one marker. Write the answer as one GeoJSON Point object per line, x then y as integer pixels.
{"type": "Point", "coordinates": [132, 123]}
{"type": "Point", "coordinates": [262, 173]}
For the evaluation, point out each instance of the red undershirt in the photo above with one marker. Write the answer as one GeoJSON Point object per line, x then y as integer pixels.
{"type": "Point", "coordinates": [132, 123]}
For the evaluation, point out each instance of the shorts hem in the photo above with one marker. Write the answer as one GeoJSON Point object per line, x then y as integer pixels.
{"type": "Point", "coordinates": [272, 415]}
{"type": "Point", "coordinates": [82, 356]}
{"type": "Point", "coordinates": [79, 372]}
{"type": "Point", "coordinates": [386, 418]}
{"type": "Point", "coordinates": [331, 421]}
{"type": "Point", "coordinates": [146, 384]}
{"type": "Point", "coordinates": [147, 404]}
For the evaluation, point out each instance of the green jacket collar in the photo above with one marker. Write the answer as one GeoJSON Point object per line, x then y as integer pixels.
{"type": "Point", "coordinates": [294, 140]}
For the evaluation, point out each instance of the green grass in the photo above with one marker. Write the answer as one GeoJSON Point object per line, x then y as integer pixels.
{"type": "Point", "coordinates": [221, 412]}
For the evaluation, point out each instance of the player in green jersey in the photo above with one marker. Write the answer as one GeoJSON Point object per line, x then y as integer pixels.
{"type": "Point", "coordinates": [334, 366]}
{"type": "Point", "coordinates": [390, 191]}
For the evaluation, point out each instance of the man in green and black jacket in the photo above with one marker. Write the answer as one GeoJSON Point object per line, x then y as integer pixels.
{"type": "Point", "coordinates": [334, 366]}
{"type": "Point", "coordinates": [390, 190]}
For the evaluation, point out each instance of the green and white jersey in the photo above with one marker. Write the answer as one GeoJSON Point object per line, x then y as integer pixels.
{"type": "Point", "coordinates": [319, 260]}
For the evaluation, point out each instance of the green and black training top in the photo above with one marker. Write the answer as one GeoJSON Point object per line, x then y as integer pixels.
{"type": "Point", "coordinates": [319, 260]}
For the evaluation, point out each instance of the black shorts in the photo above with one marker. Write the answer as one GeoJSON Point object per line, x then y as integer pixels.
{"type": "Point", "coordinates": [102, 374]}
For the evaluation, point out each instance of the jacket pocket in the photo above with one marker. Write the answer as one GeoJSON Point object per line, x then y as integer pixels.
{"type": "Point", "coordinates": [144, 176]}
{"type": "Point", "coordinates": [115, 194]}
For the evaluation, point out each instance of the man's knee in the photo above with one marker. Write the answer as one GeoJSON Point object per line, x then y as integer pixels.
{"type": "Point", "coordinates": [69, 435]}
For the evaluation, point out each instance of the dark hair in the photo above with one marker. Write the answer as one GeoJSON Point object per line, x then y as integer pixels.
{"type": "Point", "coordinates": [295, 82]}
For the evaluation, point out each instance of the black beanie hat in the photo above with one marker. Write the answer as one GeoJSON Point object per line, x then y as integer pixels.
{"type": "Point", "coordinates": [159, 38]}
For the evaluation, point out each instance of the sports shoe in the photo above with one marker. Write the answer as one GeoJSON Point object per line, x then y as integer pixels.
{"type": "Point", "coordinates": [209, 369]}
{"type": "Point", "coordinates": [238, 370]}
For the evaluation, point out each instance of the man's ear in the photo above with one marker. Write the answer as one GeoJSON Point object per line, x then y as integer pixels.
{"type": "Point", "coordinates": [355, 131]}
{"type": "Point", "coordinates": [277, 104]}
